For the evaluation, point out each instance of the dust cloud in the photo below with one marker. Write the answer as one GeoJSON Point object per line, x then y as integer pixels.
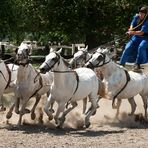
{"type": "Point", "coordinates": [105, 115]}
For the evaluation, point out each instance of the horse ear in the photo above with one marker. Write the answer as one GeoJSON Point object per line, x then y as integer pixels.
{"type": "Point", "coordinates": [86, 48]}
{"type": "Point", "coordinates": [52, 49]}
{"type": "Point", "coordinates": [99, 49]}
{"type": "Point", "coordinates": [105, 51]}
{"type": "Point", "coordinates": [16, 50]}
{"type": "Point", "coordinates": [79, 48]}
{"type": "Point", "coordinates": [59, 51]}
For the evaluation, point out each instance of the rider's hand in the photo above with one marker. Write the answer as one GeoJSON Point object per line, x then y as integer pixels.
{"type": "Point", "coordinates": [128, 33]}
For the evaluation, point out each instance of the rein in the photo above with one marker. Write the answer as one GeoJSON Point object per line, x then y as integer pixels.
{"type": "Point", "coordinates": [9, 73]}
{"type": "Point", "coordinates": [77, 78]}
{"type": "Point", "coordinates": [55, 71]}
{"type": "Point", "coordinates": [40, 82]}
{"type": "Point", "coordinates": [104, 63]}
{"type": "Point", "coordinates": [127, 80]}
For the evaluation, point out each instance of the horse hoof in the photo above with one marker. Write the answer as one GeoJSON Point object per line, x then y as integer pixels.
{"type": "Point", "coordinates": [87, 125]}
{"type": "Point", "coordinates": [62, 119]}
{"type": "Point", "coordinates": [51, 110]}
{"type": "Point", "coordinates": [26, 111]}
{"type": "Point", "coordinates": [50, 117]}
{"type": "Point", "coordinates": [8, 116]}
{"type": "Point", "coordinates": [59, 127]}
{"type": "Point", "coordinates": [3, 109]}
{"type": "Point", "coordinates": [33, 116]}
{"type": "Point", "coordinates": [17, 111]}
{"type": "Point", "coordinates": [94, 113]}
{"type": "Point", "coordinates": [130, 114]}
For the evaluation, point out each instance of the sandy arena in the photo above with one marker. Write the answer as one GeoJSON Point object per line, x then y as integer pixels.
{"type": "Point", "coordinates": [104, 131]}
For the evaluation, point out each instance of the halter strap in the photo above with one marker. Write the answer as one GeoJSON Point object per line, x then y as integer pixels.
{"type": "Point", "coordinates": [104, 62]}
{"type": "Point", "coordinates": [9, 73]}
{"type": "Point", "coordinates": [127, 80]}
{"type": "Point", "coordinates": [41, 85]}
{"type": "Point", "coordinates": [77, 77]}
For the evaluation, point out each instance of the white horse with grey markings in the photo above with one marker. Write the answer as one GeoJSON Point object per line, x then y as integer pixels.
{"type": "Point", "coordinates": [29, 83]}
{"type": "Point", "coordinates": [7, 80]}
{"type": "Point", "coordinates": [81, 57]}
{"type": "Point", "coordinates": [69, 86]}
{"type": "Point", "coordinates": [121, 83]}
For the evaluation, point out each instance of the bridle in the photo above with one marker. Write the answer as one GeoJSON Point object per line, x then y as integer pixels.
{"type": "Point", "coordinates": [104, 62]}
{"type": "Point", "coordinates": [24, 55]}
{"type": "Point", "coordinates": [56, 59]}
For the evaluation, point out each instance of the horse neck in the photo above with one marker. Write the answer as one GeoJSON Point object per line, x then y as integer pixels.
{"type": "Point", "coordinates": [109, 69]}
{"type": "Point", "coordinates": [60, 78]}
{"type": "Point", "coordinates": [88, 56]}
{"type": "Point", "coordinates": [24, 72]}
{"type": "Point", "coordinates": [3, 69]}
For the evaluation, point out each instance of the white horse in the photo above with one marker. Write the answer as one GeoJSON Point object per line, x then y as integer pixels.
{"type": "Point", "coordinates": [120, 83]}
{"type": "Point", "coordinates": [5, 79]}
{"type": "Point", "coordinates": [81, 57]}
{"type": "Point", "coordinates": [69, 86]}
{"type": "Point", "coordinates": [79, 60]}
{"type": "Point", "coordinates": [12, 72]}
{"type": "Point", "coordinates": [29, 83]}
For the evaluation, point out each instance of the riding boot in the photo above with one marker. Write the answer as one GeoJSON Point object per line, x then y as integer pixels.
{"type": "Point", "coordinates": [122, 65]}
{"type": "Point", "coordinates": [137, 68]}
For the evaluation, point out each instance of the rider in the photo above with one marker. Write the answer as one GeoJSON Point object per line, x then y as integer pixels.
{"type": "Point", "coordinates": [136, 50]}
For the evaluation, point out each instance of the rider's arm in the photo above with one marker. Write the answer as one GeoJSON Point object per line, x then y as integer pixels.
{"type": "Point", "coordinates": [140, 33]}
{"type": "Point", "coordinates": [134, 22]}
{"type": "Point", "coordinates": [144, 29]}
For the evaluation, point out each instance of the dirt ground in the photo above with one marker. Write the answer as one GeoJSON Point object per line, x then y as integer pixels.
{"type": "Point", "coordinates": [104, 131]}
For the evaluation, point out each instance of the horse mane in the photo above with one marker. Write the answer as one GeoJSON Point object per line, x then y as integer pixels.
{"type": "Point", "coordinates": [65, 62]}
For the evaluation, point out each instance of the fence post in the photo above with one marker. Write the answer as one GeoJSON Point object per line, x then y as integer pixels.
{"type": "Point", "coordinates": [73, 49]}
{"type": "Point", "coordinates": [2, 51]}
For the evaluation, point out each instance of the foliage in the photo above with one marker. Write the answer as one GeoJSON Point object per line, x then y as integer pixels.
{"type": "Point", "coordinates": [67, 21]}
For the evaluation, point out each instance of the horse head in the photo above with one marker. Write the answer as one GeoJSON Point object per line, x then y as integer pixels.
{"type": "Point", "coordinates": [98, 59]}
{"type": "Point", "coordinates": [51, 60]}
{"type": "Point", "coordinates": [79, 57]}
{"type": "Point", "coordinates": [23, 53]}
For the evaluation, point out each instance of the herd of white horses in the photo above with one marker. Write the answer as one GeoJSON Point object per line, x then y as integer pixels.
{"type": "Point", "coordinates": [87, 77]}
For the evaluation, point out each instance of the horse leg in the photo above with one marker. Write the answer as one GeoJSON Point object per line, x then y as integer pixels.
{"type": "Point", "coordinates": [17, 103]}
{"type": "Point", "coordinates": [91, 107]}
{"type": "Point", "coordinates": [133, 105]}
{"type": "Point", "coordinates": [22, 111]}
{"type": "Point", "coordinates": [52, 102]}
{"type": "Point", "coordinates": [61, 107]}
{"type": "Point", "coordinates": [46, 108]}
{"type": "Point", "coordinates": [118, 108]}
{"type": "Point", "coordinates": [51, 106]}
{"type": "Point", "coordinates": [2, 104]}
{"type": "Point", "coordinates": [94, 105]}
{"type": "Point", "coordinates": [33, 116]}
{"type": "Point", "coordinates": [144, 98]}
{"type": "Point", "coordinates": [62, 119]}
{"type": "Point", "coordinates": [84, 105]}
{"type": "Point", "coordinates": [9, 114]}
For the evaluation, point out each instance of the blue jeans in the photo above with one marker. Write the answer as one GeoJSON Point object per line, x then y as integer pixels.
{"type": "Point", "coordinates": [136, 51]}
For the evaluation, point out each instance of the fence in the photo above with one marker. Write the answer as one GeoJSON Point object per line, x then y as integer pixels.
{"type": "Point", "coordinates": [40, 51]}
